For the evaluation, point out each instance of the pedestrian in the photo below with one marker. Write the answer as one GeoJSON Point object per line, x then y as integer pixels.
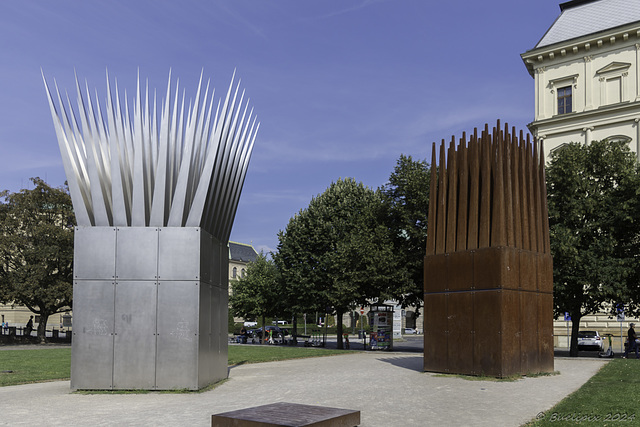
{"type": "Point", "coordinates": [631, 341]}
{"type": "Point", "coordinates": [29, 327]}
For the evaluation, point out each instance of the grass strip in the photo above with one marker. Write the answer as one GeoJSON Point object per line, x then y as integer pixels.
{"type": "Point", "coordinates": [32, 366]}
{"type": "Point", "coordinates": [49, 364]}
{"type": "Point", "coordinates": [610, 397]}
{"type": "Point", "coordinates": [241, 354]}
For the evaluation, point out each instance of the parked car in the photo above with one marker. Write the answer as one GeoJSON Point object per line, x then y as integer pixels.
{"type": "Point", "coordinates": [590, 340]}
{"type": "Point", "coordinates": [410, 331]}
{"type": "Point", "coordinates": [250, 324]}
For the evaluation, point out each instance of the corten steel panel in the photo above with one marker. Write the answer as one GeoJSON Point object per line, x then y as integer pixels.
{"type": "Point", "coordinates": [460, 271]}
{"type": "Point", "coordinates": [510, 332]}
{"type": "Point", "coordinates": [495, 268]}
{"type": "Point", "coordinates": [512, 272]}
{"type": "Point", "coordinates": [529, 349]}
{"type": "Point", "coordinates": [460, 327]}
{"type": "Point", "coordinates": [179, 253]}
{"type": "Point", "coordinates": [436, 276]}
{"type": "Point", "coordinates": [92, 344]}
{"type": "Point", "coordinates": [177, 340]}
{"type": "Point", "coordinates": [528, 274]}
{"type": "Point", "coordinates": [137, 253]}
{"type": "Point", "coordinates": [435, 333]}
{"type": "Point", "coordinates": [545, 332]}
{"type": "Point", "coordinates": [134, 351]}
{"type": "Point", "coordinates": [487, 349]}
{"type": "Point", "coordinates": [205, 366]}
{"type": "Point", "coordinates": [94, 253]}
{"type": "Point", "coordinates": [545, 279]}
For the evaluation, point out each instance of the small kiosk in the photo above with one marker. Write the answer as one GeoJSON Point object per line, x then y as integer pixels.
{"type": "Point", "coordinates": [382, 321]}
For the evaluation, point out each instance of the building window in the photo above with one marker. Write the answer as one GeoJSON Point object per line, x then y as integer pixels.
{"type": "Point", "coordinates": [618, 138]}
{"type": "Point", "coordinates": [614, 90]}
{"type": "Point", "coordinates": [564, 100]}
{"type": "Point", "coordinates": [242, 272]}
{"type": "Point", "coordinates": [234, 273]}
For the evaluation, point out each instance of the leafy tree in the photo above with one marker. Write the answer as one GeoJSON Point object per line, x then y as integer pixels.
{"type": "Point", "coordinates": [298, 262]}
{"type": "Point", "coordinates": [593, 208]}
{"type": "Point", "coordinates": [337, 253]}
{"type": "Point", "coordinates": [36, 250]}
{"type": "Point", "coordinates": [256, 293]}
{"type": "Point", "coordinates": [406, 198]}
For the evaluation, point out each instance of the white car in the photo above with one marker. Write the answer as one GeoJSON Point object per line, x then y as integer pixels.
{"type": "Point", "coordinates": [250, 324]}
{"type": "Point", "coordinates": [590, 340]}
{"type": "Point", "coordinates": [410, 331]}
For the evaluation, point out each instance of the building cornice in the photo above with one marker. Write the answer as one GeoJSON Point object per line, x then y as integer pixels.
{"type": "Point", "coordinates": [584, 45]}
{"type": "Point", "coordinates": [576, 117]}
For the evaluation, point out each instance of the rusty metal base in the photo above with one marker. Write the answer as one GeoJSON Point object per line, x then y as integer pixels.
{"type": "Point", "coordinates": [489, 312]}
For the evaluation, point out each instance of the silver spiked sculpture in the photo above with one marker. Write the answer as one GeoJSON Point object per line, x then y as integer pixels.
{"type": "Point", "coordinates": [155, 203]}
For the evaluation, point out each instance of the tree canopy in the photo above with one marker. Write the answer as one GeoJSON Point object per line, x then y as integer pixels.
{"type": "Point", "coordinates": [36, 250]}
{"type": "Point", "coordinates": [594, 227]}
{"type": "Point", "coordinates": [256, 294]}
{"type": "Point", "coordinates": [406, 200]}
{"type": "Point", "coordinates": [337, 253]}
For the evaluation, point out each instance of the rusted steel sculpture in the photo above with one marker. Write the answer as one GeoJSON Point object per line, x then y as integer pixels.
{"type": "Point", "coordinates": [488, 291]}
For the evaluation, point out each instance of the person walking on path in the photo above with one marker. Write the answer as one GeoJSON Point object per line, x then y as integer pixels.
{"type": "Point", "coordinates": [631, 341]}
{"type": "Point", "coordinates": [29, 327]}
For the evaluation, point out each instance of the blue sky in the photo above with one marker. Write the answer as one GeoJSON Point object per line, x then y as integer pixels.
{"type": "Point", "coordinates": [341, 87]}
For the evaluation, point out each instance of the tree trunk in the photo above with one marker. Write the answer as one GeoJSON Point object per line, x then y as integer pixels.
{"type": "Point", "coordinates": [339, 328]}
{"type": "Point", "coordinates": [294, 330]}
{"type": "Point", "coordinates": [575, 328]}
{"type": "Point", "coordinates": [42, 327]}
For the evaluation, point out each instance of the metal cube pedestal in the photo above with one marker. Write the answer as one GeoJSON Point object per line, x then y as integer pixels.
{"type": "Point", "coordinates": [150, 308]}
{"type": "Point", "coordinates": [489, 312]}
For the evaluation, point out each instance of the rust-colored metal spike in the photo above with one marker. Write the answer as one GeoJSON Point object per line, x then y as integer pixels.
{"type": "Point", "coordinates": [474, 190]}
{"type": "Point", "coordinates": [463, 195]}
{"type": "Point", "coordinates": [545, 208]}
{"type": "Point", "coordinates": [433, 204]}
{"type": "Point", "coordinates": [452, 197]}
{"type": "Point", "coordinates": [441, 226]}
{"type": "Point", "coordinates": [484, 232]}
{"type": "Point", "coordinates": [515, 182]}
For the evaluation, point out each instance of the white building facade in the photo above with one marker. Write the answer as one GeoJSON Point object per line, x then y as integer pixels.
{"type": "Point", "coordinates": [587, 88]}
{"type": "Point", "coordinates": [587, 74]}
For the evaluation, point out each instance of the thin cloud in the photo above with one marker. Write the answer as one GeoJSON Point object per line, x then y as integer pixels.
{"type": "Point", "coordinates": [364, 4]}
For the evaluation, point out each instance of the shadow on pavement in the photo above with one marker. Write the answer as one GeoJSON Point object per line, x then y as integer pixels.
{"type": "Point", "coordinates": [414, 363]}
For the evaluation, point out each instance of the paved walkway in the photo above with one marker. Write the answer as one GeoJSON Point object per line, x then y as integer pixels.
{"type": "Point", "coordinates": [388, 388]}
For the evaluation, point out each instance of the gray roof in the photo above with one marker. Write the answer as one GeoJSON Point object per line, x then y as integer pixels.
{"type": "Point", "coordinates": [242, 252]}
{"type": "Point", "coordinates": [582, 17]}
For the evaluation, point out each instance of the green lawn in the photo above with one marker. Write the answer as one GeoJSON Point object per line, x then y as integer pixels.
{"type": "Point", "coordinates": [29, 366]}
{"type": "Point", "coordinates": [611, 397]}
